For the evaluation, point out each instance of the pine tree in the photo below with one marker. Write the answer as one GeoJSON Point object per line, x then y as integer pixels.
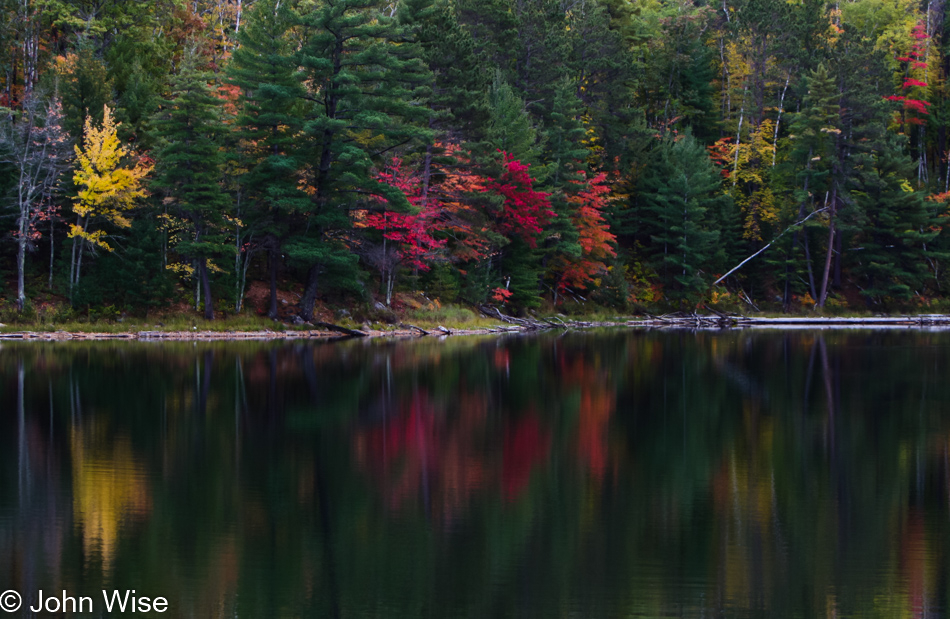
{"type": "Point", "coordinates": [565, 157]}
{"type": "Point", "coordinates": [510, 127]}
{"type": "Point", "coordinates": [86, 88]}
{"type": "Point", "coordinates": [814, 155]}
{"type": "Point", "coordinates": [898, 228]}
{"type": "Point", "coordinates": [680, 198]}
{"type": "Point", "coordinates": [268, 128]}
{"type": "Point", "coordinates": [365, 91]}
{"type": "Point", "coordinates": [459, 98]}
{"type": "Point", "coordinates": [188, 174]}
{"type": "Point", "coordinates": [607, 64]}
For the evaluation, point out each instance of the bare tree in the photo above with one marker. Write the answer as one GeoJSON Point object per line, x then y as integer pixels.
{"type": "Point", "coordinates": [34, 143]}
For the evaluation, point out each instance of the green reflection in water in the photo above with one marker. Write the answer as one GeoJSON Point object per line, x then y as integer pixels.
{"type": "Point", "coordinates": [610, 474]}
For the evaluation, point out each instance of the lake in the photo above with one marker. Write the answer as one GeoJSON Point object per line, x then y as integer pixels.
{"type": "Point", "coordinates": [588, 474]}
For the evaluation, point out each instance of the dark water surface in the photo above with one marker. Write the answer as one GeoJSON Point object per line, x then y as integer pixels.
{"type": "Point", "coordinates": [619, 474]}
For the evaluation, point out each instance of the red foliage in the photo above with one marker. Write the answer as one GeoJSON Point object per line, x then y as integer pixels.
{"type": "Point", "coordinates": [458, 219]}
{"type": "Point", "coordinates": [595, 238]}
{"type": "Point", "coordinates": [721, 153]}
{"type": "Point", "coordinates": [526, 445]}
{"type": "Point", "coordinates": [916, 105]}
{"type": "Point", "coordinates": [525, 211]}
{"type": "Point", "coordinates": [409, 230]}
{"type": "Point", "coordinates": [501, 295]}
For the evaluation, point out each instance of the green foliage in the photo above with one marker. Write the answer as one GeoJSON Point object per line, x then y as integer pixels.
{"type": "Point", "coordinates": [86, 88]}
{"type": "Point", "coordinates": [681, 202]}
{"type": "Point", "coordinates": [269, 120]}
{"type": "Point", "coordinates": [510, 127]}
{"type": "Point", "coordinates": [898, 229]}
{"type": "Point", "coordinates": [133, 277]}
{"type": "Point", "coordinates": [188, 175]}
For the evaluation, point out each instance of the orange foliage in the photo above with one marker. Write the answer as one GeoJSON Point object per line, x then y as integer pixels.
{"type": "Point", "coordinates": [595, 238]}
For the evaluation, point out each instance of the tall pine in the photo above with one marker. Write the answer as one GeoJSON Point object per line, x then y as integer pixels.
{"type": "Point", "coordinates": [188, 174]}
{"type": "Point", "coordinates": [681, 201]}
{"type": "Point", "coordinates": [367, 91]}
{"type": "Point", "coordinates": [268, 129]}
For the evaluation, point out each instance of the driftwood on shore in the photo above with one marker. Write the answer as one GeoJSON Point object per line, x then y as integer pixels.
{"type": "Point", "coordinates": [720, 320]}
{"type": "Point", "coordinates": [512, 324]}
{"type": "Point", "coordinates": [337, 328]}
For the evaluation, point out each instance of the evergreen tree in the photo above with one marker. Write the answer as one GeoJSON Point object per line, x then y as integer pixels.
{"type": "Point", "coordinates": [86, 88]}
{"type": "Point", "coordinates": [458, 99]}
{"type": "Point", "coordinates": [510, 127]}
{"type": "Point", "coordinates": [814, 156]}
{"type": "Point", "coordinates": [606, 65]}
{"type": "Point", "coordinates": [565, 158]}
{"type": "Point", "coordinates": [268, 127]}
{"type": "Point", "coordinates": [188, 174]}
{"type": "Point", "coordinates": [366, 91]}
{"type": "Point", "coordinates": [680, 197]}
{"type": "Point", "coordinates": [898, 228]}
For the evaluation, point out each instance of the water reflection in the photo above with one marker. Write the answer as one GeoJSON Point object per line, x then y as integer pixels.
{"type": "Point", "coordinates": [592, 474]}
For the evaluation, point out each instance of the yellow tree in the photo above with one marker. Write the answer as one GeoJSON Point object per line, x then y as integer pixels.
{"type": "Point", "coordinates": [109, 184]}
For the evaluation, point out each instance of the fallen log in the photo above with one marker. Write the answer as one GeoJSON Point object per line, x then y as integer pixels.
{"type": "Point", "coordinates": [419, 329]}
{"type": "Point", "coordinates": [338, 329]}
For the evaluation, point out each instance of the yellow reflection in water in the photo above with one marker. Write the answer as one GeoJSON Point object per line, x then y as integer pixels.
{"type": "Point", "coordinates": [109, 487]}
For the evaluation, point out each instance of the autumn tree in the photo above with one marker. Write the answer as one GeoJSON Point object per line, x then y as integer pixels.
{"type": "Point", "coordinates": [521, 218]}
{"type": "Point", "coordinates": [109, 187]}
{"type": "Point", "coordinates": [594, 238]}
{"type": "Point", "coordinates": [34, 144]}
{"type": "Point", "coordinates": [406, 238]}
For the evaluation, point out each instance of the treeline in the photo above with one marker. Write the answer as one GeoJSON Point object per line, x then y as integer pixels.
{"type": "Point", "coordinates": [511, 151]}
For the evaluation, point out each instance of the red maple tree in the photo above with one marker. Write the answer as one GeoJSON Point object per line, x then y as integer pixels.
{"type": "Point", "coordinates": [525, 211]}
{"type": "Point", "coordinates": [595, 238]}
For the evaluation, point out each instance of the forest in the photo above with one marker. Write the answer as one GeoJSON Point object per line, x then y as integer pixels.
{"type": "Point", "coordinates": [531, 154]}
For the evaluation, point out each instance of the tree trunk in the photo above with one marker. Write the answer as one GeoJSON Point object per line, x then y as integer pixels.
{"type": "Point", "coordinates": [811, 272]}
{"type": "Point", "coordinates": [206, 286]}
{"type": "Point", "coordinates": [839, 256]}
{"type": "Point", "coordinates": [830, 252]}
{"type": "Point", "coordinates": [778, 121]}
{"type": "Point", "coordinates": [272, 266]}
{"type": "Point", "coordinates": [20, 267]}
{"type": "Point", "coordinates": [310, 293]}
{"type": "Point", "coordinates": [52, 250]}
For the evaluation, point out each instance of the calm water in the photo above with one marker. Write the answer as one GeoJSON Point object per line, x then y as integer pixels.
{"type": "Point", "coordinates": [622, 474]}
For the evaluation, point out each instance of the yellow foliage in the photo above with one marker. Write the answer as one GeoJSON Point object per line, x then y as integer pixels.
{"type": "Point", "coordinates": [108, 187]}
{"type": "Point", "coordinates": [185, 271]}
{"type": "Point", "coordinates": [109, 489]}
{"type": "Point", "coordinates": [753, 195]}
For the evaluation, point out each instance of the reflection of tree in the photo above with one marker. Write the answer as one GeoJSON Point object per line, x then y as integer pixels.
{"type": "Point", "coordinates": [633, 473]}
{"type": "Point", "coordinates": [109, 489]}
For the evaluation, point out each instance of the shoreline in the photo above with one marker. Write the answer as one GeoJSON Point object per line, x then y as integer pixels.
{"type": "Point", "coordinates": [693, 322]}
